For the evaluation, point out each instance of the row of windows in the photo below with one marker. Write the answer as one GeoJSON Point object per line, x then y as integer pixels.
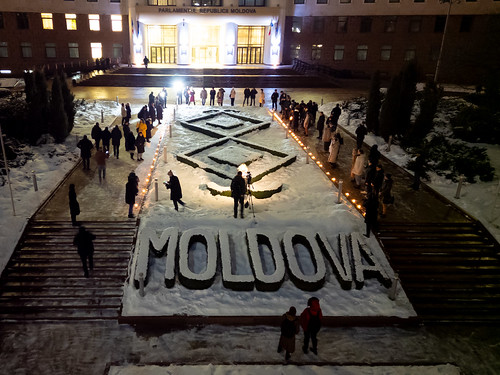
{"type": "Point", "coordinates": [51, 50]}
{"type": "Point", "coordinates": [414, 26]}
{"type": "Point", "coordinates": [48, 22]}
{"type": "Point", "coordinates": [368, 1]}
{"type": "Point", "coordinates": [361, 52]}
{"type": "Point", "coordinates": [208, 3]}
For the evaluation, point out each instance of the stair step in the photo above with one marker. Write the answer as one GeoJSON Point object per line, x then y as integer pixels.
{"type": "Point", "coordinates": [70, 273]}
{"type": "Point", "coordinates": [50, 292]}
{"type": "Point", "coordinates": [20, 283]}
{"type": "Point", "coordinates": [61, 314]}
{"type": "Point", "coordinates": [431, 269]}
{"type": "Point", "coordinates": [59, 302]}
{"type": "Point", "coordinates": [40, 256]}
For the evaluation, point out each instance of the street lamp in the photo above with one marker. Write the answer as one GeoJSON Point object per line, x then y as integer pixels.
{"type": "Point", "coordinates": [450, 2]}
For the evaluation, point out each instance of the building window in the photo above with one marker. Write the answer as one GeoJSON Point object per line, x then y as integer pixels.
{"type": "Point", "coordinates": [252, 3]}
{"type": "Point", "coordinates": [94, 23]}
{"type": "Point", "coordinates": [470, 1]}
{"type": "Point", "coordinates": [73, 50]}
{"type": "Point", "coordinates": [319, 25]}
{"type": "Point", "coordinates": [369, 1]}
{"type": "Point", "coordinates": [298, 1]}
{"type": "Point", "coordinates": [91, 1]}
{"type": "Point", "coordinates": [295, 51]}
{"type": "Point", "coordinates": [4, 51]}
{"type": "Point", "coordinates": [1, 21]}
{"type": "Point", "coordinates": [96, 49]}
{"type": "Point", "coordinates": [415, 24]}
{"type": "Point", "coordinates": [162, 2]}
{"type": "Point", "coordinates": [466, 24]}
{"type": "Point", "coordinates": [434, 53]}
{"type": "Point", "coordinates": [345, 1]}
{"type": "Point", "coordinates": [114, 1]}
{"type": "Point", "coordinates": [117, 51]}
{"type": "Point", "coordinates": [47, 22]}
{"type": "Point", "coordinates": [22, 21]}
{"type": "Point", "coordinates": [70, 21]}
{"type": "Point", "coordinates": [206, 3]}
{"type": "Point", "coordinates": [366, 25]}
{"type": "Point", "coordinates": [419, 1]}
{"type": "Point", "coordinates": [296, 24]}
{"type": "Point", "coordinates": [116, 22]}
{"type": "Point", "coordinates": [26, 50]}
{"type": "Point", "coordinates": [362, 53]}
{"type": "Point", "coordinates": [394, 1]}
{"type": "Point", "coordinates": [410, 53]}
{"type": "Point", "coordinates": [338, 53]}
{"type": "Point", "coordinates": [342, 25]}
{"type": "Point", "coordinates": [321, 1]}
{"type": "Point", "coordinates": [439, 24]}
{"type": "Point", "coordinates": [390, 24]}
{"type": "Point", "coordinates": [50, 50]}
{"type": "Point", "coordinates": [385, 53]}
{"type": "Point", "coordinates": [316, 52]}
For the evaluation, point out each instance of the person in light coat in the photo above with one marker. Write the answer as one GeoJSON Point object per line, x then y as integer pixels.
{"type": "Point", "coordinates": [262, 98]}
{"type": "Point", "coordinates": [334, 149]}
{"type": "Point", "coordinates": [232, 96]}
{"type": "Point", "coordinates": [358, 170]}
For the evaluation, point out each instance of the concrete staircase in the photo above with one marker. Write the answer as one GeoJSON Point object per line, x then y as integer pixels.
{"type": "Point", "coordinates": [44, 278]}
{"type": "Point", "coordinates": [450, 271]}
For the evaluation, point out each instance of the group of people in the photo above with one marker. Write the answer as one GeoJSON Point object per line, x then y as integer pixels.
{"type": "Point", "coordinates": [310, 320]}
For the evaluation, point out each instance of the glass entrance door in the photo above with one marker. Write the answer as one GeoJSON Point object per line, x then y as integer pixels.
{"type": "Point", "coordinates": [255, 55]}
{"type": "Point", "coordinates": [156, 55]}
{"type": "Point", "coordinates": [242, 55]}
{"type": "Point", "coordinates": [205, 44]}
{"type": "Point", "coordinates": [205, 55]}
{"type": "Point", "coordinates": [170, 56]}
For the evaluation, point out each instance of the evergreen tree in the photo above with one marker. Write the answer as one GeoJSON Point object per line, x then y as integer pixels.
{"type": "Point", "coordinates": [389, 112]}
{"type": "Point", "coordinates": [425, 119]}
{"type": "Point", "coordinates": [29, 86]}
{"type": "Point", "coordinates": [58, 124]}
{"type": "Point", "coordinates": [407, 93]}
{"type": "Point", "coordinates": [38, 108]}
{"type": "Point", "coordinates": [374, 103]}
{"type": "Point", "coordinates": [69, 103]}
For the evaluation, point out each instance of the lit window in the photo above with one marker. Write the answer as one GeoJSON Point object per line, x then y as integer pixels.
{"type": "Point", "coordinates": [70, 21]}
{"type": "Point", "coordinates": [251, 3]}
{"type": "Point", "coordinates": [295, 51]}
{"type": "Point", "coordinates": [96, 50]}
{"type": "Point", "coordinates": [338, 53]}
{"type": "Point", "coordinates": [362, 54]}
{"type": "Point", "coordinates": [410, 53]}
{"type": "Point", "coordinates": [73, 50]}
{"type": "Point", "coordinates": [47, 22]}
{"type": "Point", "coordinates": [316, 51]}
{"type": "Point", "coordinates": [116, 22]}
{"type": "Point", "coordinates": [50, 50]}
{"type": "Point", "coordinates": [26, 50]}
{"type": "Point", "coordinates": [206, 3]}
{"type": "Point", "coordinates": [296, 24]}
{"type": "Point", "coordinates": [385, 53]}
{"type": "Point", "coordinates": [342, 25]}
{"type": "Point", "coordinates": [94, 23]}
{"type": "Point", "coordinates": [4, 51]}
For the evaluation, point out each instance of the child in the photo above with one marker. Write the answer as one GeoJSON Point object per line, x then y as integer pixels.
{"type": "Point", "coordinates": [289, 328]}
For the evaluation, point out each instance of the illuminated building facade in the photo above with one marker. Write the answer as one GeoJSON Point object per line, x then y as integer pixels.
{"type": "Point", "coordinates": [356, 37]}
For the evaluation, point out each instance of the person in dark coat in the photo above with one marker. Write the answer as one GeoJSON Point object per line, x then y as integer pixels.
{"type": "Point", "coordinates": [336, 111]}
{"type": "Point", "coordinates": [145, 61]}
{"type": "Point", "coordinates": [130, 144]}
{"type": "Point", "coordinates": [131, 190]}
{"type": "Point", "coordinates": [379, 179]}
{"type": "Point", "coordinates": [371, 212]}
{"type": "Point", "coordinates": [139, 144]}
{"type": "Point", "coordinates": [83, 240]}
{"type": "Point", "coordinates": [149, 127]}
{"type": "Point", "coordinates": [289, 328]}
{"type": "Point", "coordinates": [253, 93]}
{"type": "Point", "coordinates": [129, 112]}
{"type": "Point", "coordinates": [106, 138]}
{"type": "Point", "coordinates": [159, 112]}
{"type": "Point", "coordinates": [74, 206]}
{"type": "Point", "coordinates": [85, 146]}
{"type": "Point", "coordinates": [238, 191]}
{"type": "Point", "coordinates": [321, 125]}
{"type": "Point", "coordinates": [385, 193]}
{"type": "Point", "coordinates": [96, 134]}
{"type": "Point", "coordinates": [175, 190]}
{"type": "Point", "coordinates": [246, 95]}
{"type": "Point", "coordinates": [374, 155]}
{"type": "Point", "coordinates": [143, 113]}
{"type": "Point", "coordinates": [116, 135]}
{"type": "Point", "coordinates": [418, 170]}
{"type": "Point", "coordinates": [151, 98]}
{"type": "Point", "coordinates": [274, 100]}
{"type": "Point", "coordinates": [212, 96]}
{"type": "Point", "coordinates": [152, 112]}
{"type": "Point", "coordinates": [361, 132]}
{"type": "Point", "coordinates": [310, 320]}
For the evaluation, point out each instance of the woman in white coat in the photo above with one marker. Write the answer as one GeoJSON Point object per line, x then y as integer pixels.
{"type": "Point", "coordinates": [358, 170]}
{"type": "Point", "coordinates": [262, 98]}
{"type": "Point", "coordinates": [334, 149]}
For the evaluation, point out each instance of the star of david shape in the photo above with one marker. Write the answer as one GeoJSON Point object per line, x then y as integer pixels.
{"type": "Point", "coordinates": [228, 150]}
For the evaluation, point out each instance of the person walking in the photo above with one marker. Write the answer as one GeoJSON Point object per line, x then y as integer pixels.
{"type": "Point", "coordinates": [361, 132]}
{"type": "Point", "coordinates": [232, 96]}
{"type": "Point", "coordinates": [203, 96]}
{"type": "Point", "coordinates": [140, 141]}
{"type": "Point", "coordinates": [385, 193]}
{"type": "Point", "coordinates": [159, 112]}
{"type": "Point", "coordinates": [145, 61]}
{"type": "Point", "coordinates": [151, 98]}
{"type": "Point", "coordinates": [83, 240]}
{"type": "Point", "coordinates": [106, 138]}
{"type": "Point", "coordinates": [238, 191]}
{"type": "Point", "coordinates": [116, 136]}
{"type": "Point", "coordinates": [123, 113]}
{"type": "Point", "coordinates": [327, 136]}
{"type": "Point", "coordinates": [253, 94]}
{"type": "Point", "coordinates": [262, 98]}
{"type": "Point", "coordinates": [336, 111]}
{"type": "Point", "coordinates": [96, 134]}
{"type": "Point", "coordinates": [310, 320]}
{"type": "Point", "coordinates": [129, 112]}
{"type": "Point", "coordinates": [85, 146]}
{"type": "Point", "coordinates": [371, 212]}
{"type": "Point", "coordinates": [130, 144]}
{"type": "Point", "coordinates": [74, 206]}
{"type": "Point", "coordinates": [131, 191]}
{"type": "Point", "coordinates": [175, 189]}
{"type": "Point", "coordinates": [321, 124]}
{"type": "Point", "coordinates": [100, 158]}
{"type": "Point", "coordinates": [289, 328]}
{"type": "Point", "coordinates": [274, 100]}
{"type": "Point", "coordinates": [246, 95]}
{"type": "Point", "coordinates": [212, 96]}
{"type": "Point", "coordinates": [358, 170]}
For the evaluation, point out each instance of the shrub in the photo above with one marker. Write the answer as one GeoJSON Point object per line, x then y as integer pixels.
{"type": "Point", "coordinates": [477, 124]}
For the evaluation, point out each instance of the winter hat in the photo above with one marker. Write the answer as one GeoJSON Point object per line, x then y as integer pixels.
{"type": "Point", "coordinates": [292, 311]}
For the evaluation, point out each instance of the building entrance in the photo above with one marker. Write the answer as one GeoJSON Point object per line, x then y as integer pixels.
{"type": "Point", "coordinates": [205, 55]}
{"type": "Point", "coordinates": [249, 55]}
{"type": "Point", "coordinates": [250, 44]}
{"type": "Point", "coordinates": [162, 42]}
{"type": "Point", "coordinates": [205, 44]}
